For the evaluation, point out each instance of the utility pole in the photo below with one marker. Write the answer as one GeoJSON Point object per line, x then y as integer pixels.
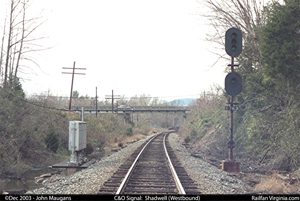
{"type": "Point", "coordinates": [112, 97]}
{"type": "Point", "coordinates": [73, 73]}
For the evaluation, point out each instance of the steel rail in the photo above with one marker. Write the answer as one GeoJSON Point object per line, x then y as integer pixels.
{"type": "Point", "coordinates": [176, 178]}
{"type": "Point", "coordinates": [132, 166]}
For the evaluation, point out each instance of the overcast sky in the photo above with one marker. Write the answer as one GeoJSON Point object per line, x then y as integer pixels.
{"type": "Point", "coordinates": [154, 47]}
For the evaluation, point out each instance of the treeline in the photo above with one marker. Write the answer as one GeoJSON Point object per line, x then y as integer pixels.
{"type": "Point", "coordinates": [90, 102]}
{"type": "Point", "coordinates": [267, 123]}
{"type": "Point", "coordinates": [160, 120]}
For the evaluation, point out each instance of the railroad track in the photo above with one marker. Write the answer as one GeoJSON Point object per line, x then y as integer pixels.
{"type": "Point", "coordinates": [152, 169]}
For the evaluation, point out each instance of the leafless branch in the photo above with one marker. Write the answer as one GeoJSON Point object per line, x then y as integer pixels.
{"type": "Point", "coordinates": [19, 40]}
{"type": "Point", "coordinates": [242, 14]}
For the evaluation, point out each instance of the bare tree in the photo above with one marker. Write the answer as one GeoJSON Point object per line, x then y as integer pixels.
{"type": "Point", "coordinates": [19, 40]}
{"type": "Point", "coordinates": [12, 9]}
{"type": "Point", "coordinates": [2, 46]}
{"type": "Point", "coordinates": [246, 15]}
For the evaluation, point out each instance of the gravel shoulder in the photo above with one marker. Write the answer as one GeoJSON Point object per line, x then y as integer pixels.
{"type": "Point", "coordinates": [88, 181]}
{"type": "Point", "coordinates": [210, 179]}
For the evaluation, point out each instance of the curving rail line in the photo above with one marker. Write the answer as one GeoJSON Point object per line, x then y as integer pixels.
{"type": "Point", "coordinates": [150, 170]}
{"type": "Point", "coordinates": [132, 167]}
{"type": "Point", "coordinates": [177, 181]}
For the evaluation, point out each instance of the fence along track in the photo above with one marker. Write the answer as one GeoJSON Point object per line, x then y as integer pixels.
{"type": "Point", "coordinates": [148, 171]}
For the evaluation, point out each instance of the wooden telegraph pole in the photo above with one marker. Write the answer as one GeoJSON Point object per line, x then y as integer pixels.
{"type": "Point", "coordinates": [73, 73]}
{"type": "Point", "coordinates": [112, 97]}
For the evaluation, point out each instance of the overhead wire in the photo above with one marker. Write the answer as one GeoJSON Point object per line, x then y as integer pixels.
{"type": "Point", "coordinates": [127, 98]}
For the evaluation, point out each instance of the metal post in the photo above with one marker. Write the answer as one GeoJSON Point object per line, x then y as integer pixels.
{"type": "Point", "coordinates": [96, 102]}
{"type": "Point", "coordinates": [231, 130]}
{"type": "Point", "coordinates": [232, 64]}
{"type": "Point", "coordinates": [70, 102]}
{"type": "Point", "coordinates": [118, 106]}
{"type": "Point", "coordinates": [82, 111]}
{"type": "Point", "coordinates": [231, 142]}
{"type": "Point", "coordinates": [73, 158]}
{"type": "Point", "coordinates": [112, 101]}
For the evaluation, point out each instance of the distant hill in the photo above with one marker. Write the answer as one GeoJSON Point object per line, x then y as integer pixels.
{"type": "Point", "coordinates": [181, 102]}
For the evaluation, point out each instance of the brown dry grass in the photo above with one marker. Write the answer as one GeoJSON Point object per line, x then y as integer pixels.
{"type": "Point", "coordinates": [125, 140]}
{"type": "Point", "coordinates": [129, 139]}
{"type": "Point", "coordinates": [2, 182]}
{"type": "Point", "coordinates": [274, 185]}
{"type": "Point", "coordinates": [156, 130]}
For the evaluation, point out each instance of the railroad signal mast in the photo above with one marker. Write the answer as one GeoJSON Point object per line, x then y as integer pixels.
{"type": "Point", "coordinates": [233, 87]}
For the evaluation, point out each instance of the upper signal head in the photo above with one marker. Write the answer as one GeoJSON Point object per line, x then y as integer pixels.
{"type": "Point", "coordinates": [233, 42]}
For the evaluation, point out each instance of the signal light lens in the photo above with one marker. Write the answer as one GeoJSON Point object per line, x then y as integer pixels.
{"type": "Point", "coordinates": [233, 42]}
{"type": "Point", "coordinates": [233, 80]}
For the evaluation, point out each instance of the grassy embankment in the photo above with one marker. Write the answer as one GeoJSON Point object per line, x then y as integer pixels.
{"type": "Point", "coordinates": [33, 136]}
{"type": "Point", "coordinates": [206, 132]}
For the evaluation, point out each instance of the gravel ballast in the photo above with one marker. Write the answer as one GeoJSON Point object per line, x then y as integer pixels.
{"type": "Point", "coordinates": [210, 179]}
{"type": "Point", "coordinates": [88, 181]}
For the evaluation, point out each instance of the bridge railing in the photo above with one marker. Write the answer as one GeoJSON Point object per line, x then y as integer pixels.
{"type": "Point", "coordinates": [135, 108]}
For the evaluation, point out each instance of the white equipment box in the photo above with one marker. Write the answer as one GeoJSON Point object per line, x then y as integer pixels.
{"type": "Point", "coordinates": [77, 135]}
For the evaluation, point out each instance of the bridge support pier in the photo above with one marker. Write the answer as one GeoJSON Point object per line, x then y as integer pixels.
{"type": "Point", "coordinates": [126, 117]}
{"type": "Point", "coordinates": [184, 118]}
